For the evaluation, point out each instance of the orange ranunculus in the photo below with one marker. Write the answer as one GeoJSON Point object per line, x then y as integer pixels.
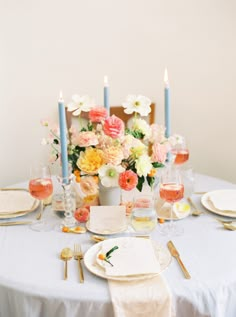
{"type": "Point", "coordinates": [128, 180]}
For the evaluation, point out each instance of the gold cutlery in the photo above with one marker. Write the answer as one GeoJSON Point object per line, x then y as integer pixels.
{"type": "Point", "coordinates": [78, 256]}
{"type": "Point", "coordinates": [15, 223]}
{"type": "Point", "coordinates": [175, 254]}
{"type": "Point", "coordinates": [200, 193]}
{"type": "Point", "coordinates": [66, 254]}
{"type": "Point", "coordinates": [228, 224]}
{"type": "Point", "coordinates": [196, 212]}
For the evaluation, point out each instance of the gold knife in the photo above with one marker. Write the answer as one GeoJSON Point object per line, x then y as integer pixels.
{"type": "Point", "coordinates": [175, 254]}
{"type": "Point", "coordinates": [15, 223]}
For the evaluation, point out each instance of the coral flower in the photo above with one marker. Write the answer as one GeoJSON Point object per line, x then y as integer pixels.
{"type": "Point", "coordinates": [128, 180]}
{"type": "Point", "coordinates": [97, 114]}
{"type": "Point", "coordinates": [114, 127]}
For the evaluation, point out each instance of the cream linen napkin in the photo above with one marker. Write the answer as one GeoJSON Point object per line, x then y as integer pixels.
{"type": "Point", "coordinates": [141, 298]}
{"type": "Point", "coordinates": [224, 199]}
{"type": "Point", "coordinates": [134, 256]}
{"type": "Point", "coordinates": [146, 296]}
{"type": "Point", "coordinates": [15, 200]}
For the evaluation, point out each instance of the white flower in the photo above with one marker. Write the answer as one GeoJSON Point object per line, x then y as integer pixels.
{"type": "Point", "coordinates": [157, 133]}
{"type": "Point", "coordinates": [141, 126]}
{"type": "Point", "coordinates": [143, 165]}
{"type": "Point", "coordinates": [109, 175]}
{"type": "Point", "coordinates": [139, 104]}
{"type": "Point", "coordinates": [80, 103]}
{"type": "Point", "coordinates": [176, 139]}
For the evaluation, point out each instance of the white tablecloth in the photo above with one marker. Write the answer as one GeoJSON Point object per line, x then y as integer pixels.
{"type": "Point", "coordinates": [31, 273]}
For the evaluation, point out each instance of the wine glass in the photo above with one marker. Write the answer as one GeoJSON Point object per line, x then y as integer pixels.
{"type": "Point", "coordinates": [40, 187]}
{"type": "Point", "coordinates": [171, 189]}
{"type": "Point", "coordinates": [180, 152]}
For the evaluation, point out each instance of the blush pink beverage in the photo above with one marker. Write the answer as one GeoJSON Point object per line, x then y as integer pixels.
{"type": "Point", "coordinates": [181, 156]}
{"type": "Point", "coordinates": [41, 188]}
{"type": "Point", "coordinates": [171, 192]}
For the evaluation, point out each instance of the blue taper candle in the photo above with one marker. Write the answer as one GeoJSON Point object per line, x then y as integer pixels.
{"type": "Point", "coordinates": [167, 105]}
{"type": "Point", "coordinates": [63, 138]}
{"type": "Point", "coordinates": [106, 95]}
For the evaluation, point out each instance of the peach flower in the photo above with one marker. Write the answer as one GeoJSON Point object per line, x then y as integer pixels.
{"type": "Point", "coordinates": [84, 139]}
{"type": "Point", "coordinates": [128, 180]}
{"type": "Point", "coordinates": [113, 155]}
{"type": "Point", "coordinates": [89, 185]}
{"type": "Point", "coordinates": [97, 114]}
{"type": "Point", "coordinates": [114, 127]}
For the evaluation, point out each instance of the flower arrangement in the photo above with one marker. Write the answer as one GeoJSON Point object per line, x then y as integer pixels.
{"type": "Point", "coordinates": [105, 151]}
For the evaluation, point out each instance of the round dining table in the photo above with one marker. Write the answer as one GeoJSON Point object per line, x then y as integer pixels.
{"type": "Point", "coordinates": [31, 271]}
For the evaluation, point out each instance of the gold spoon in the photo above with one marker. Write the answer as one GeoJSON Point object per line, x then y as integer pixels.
{"type": "Point", "coordinates": [196, 212]}
{"type": "Point", "coordinates": [66, 254]}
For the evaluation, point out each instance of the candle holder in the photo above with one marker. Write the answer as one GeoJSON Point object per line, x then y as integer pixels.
{"type": "Point", "coordinates": [69, 220]}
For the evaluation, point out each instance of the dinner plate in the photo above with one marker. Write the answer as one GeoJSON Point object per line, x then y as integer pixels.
{"type": "Point", "coordinates": [16, 202]}
{"type": "Point", "coordinates": [182, 208]}
{"type": "Point", "coordinates": [108, 231]}
{"type": "Point", "coordinates": [91, 263]}
{"type": "Point", "coordinates": [205, 200]}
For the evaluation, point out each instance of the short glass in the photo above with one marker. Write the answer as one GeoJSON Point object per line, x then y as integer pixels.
{"type": "Point", "coordinates": [143, 217]}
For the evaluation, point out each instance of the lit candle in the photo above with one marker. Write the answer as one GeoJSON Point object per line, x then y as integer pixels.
{"type": "Point", "coordinates": [167, 104]}
{"type": "Point", "coordinates": [106, 95]}
{"type": "Point", "coordinates": [63, 138]}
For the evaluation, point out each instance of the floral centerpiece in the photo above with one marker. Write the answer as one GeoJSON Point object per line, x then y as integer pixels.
{"type": "Point", "coordinates": [105, 151]}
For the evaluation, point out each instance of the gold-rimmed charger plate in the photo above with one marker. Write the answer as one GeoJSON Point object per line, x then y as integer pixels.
{"type": "Point", "coordinates": [90, 261]}
{"type": "Point", "coordinates": [20, 208]}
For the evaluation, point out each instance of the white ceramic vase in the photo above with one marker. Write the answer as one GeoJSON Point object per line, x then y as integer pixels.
{"type": "Point", "coordinates": [109, 196]}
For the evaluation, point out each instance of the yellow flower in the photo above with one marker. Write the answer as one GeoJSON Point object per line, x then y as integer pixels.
{"type": "Point", "coordinates": [138, 151]}
{"type": "Point", "coordinates": [90, 160]}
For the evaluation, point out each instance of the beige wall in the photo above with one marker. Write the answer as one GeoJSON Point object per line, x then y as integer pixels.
{"type": "Point", "coordinates": [48, 46]}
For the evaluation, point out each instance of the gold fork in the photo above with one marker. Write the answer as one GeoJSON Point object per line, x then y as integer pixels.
{"type": "Point", "coordinates": [78, 255]}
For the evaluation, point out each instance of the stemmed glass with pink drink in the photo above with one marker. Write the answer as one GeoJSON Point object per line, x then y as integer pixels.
{"type": "Point", "coordinates": [171, 190]}
{"type": "Point", "coordinates": [40, 187]}
{"type": "Point", "coordinates": [180, 153]}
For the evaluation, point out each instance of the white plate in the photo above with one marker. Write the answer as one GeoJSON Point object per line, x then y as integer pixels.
{"type": "Point", "coordinates": [90, 261]}
{"type": "Point", "coordinates": [108, 231]}
{"type": "Point", "coordinates": [16, 202]}
{"type": "Point", "coordinates": [183, 212]}
{"type": "Point", "coordinates": [209, 206]}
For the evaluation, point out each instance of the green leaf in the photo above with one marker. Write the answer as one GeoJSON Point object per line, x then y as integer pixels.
{"type": "Point", "coordinates": [150, 180]}
{"type": "Point", "coordinates": [140, 183]}
{"type": "Point", "coordinates": [110, 251]}
{"type": "Point", "coordinates": [157, 165]}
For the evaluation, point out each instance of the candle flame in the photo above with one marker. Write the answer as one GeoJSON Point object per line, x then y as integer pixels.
{"type": "Point", "coordinates": [105, 81]}
{"type": "Point", "coordinates": [60, 95]}
{"type": "Point", "coordinates": [166, 76]}
{"type": "Point", "coordinates": [166, 81]}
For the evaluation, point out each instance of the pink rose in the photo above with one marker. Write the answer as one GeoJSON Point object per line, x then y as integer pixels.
{"type": "Point", "coordinates": [84, 139]}
{"type": "Point", "coordinates": [159, 152]}
{"type": "Point", "coordinates": [114, 127]}
{"type": "Point", "coordinates": [128, 180]}
{"type": "Point", "coordinates": [97, 114]}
